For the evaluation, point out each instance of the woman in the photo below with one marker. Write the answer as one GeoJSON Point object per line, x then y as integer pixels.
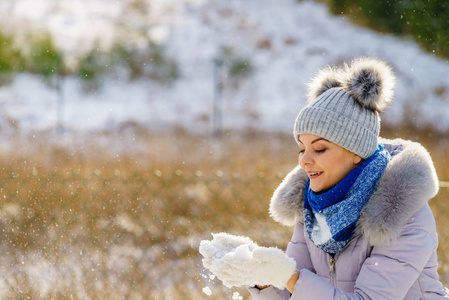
{"type": "Point", "coordinates": [363, 228]}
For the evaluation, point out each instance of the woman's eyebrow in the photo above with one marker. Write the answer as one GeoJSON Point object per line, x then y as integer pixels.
{"type": "Point", "coordinates": [316, 140]}
{"type": "Point", "coordinates": [319, 139]}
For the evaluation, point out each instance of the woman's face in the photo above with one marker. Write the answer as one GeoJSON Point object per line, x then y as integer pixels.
{"type": "Point", "coordinates": [326, 163]}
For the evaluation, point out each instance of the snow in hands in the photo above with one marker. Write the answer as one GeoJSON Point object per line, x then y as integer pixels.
{"type": "Point", "coordinates": [238, 261]}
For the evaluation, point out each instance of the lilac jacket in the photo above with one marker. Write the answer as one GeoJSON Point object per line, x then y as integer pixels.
{"type": "Point", "coordinates": [392, 254]}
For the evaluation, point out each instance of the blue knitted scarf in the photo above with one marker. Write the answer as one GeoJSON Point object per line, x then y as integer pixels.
{"type": "Point", "coordinates": [330, 217]}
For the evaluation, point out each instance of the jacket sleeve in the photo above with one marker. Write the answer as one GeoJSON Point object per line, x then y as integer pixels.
{"type": "Point", "coordinates": [297, 249]}
{"type": "Point", "coordinates": [388, 273]}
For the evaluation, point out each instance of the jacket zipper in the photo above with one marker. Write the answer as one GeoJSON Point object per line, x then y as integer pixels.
{"type": "Point", "coordinates": [332, 270]}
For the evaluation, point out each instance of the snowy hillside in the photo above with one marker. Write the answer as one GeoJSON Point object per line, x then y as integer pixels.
{"type": "Point", "coordinates": [285, 41]}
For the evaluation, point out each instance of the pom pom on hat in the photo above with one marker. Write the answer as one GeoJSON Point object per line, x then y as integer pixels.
{"type": "Point", "coordinates": [370, 82]}
{"type": "Point", "coordinates": [326, 79]}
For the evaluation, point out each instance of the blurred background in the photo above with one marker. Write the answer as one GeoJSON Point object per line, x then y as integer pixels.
{"type": "Point", "coordinates": [133, 129]}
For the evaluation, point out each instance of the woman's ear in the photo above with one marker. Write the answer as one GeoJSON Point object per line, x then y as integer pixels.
{"type": "Point", "coordinates": [357, 159]}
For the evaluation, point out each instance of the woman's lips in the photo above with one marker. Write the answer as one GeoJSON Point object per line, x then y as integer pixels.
{"type": "Point", "coordinates": [313, 175]}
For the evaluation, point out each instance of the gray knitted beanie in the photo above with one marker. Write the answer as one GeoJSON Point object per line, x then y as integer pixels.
{"type": "Point", "coordinates": [344, 105]}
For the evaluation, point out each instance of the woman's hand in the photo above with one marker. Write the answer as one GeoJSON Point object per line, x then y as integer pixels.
{"type": "Point", "coordinates": [238, 261]}
{"type": "Point", "coordinates": [291, 283]}
{"type": "Point", "coordinates": [261, 287]}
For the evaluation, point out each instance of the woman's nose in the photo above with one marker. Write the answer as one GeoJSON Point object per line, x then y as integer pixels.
{"type": "Point", "coordinates": [304, 158]}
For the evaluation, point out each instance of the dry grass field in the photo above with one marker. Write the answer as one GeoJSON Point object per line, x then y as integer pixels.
{"type": "Point", "coordinates": [122, 218]}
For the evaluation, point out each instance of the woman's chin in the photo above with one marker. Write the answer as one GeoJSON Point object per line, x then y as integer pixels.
{"type": "Point", "coordinates": [316, 189]}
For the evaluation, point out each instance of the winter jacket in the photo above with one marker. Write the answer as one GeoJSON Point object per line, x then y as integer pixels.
{"type": "Point", "coordinates": [392, 254]}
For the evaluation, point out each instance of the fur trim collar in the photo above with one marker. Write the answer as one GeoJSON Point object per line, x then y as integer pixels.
{"type": "Point", "coordinates": [409, 182]}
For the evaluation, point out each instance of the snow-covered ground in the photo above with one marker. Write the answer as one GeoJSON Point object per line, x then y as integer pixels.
{"type": "Point", "coordinates": [285, 40]}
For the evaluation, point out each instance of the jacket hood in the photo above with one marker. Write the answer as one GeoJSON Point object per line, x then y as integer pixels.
{"type": "Point", "coordinates": [408, 182]}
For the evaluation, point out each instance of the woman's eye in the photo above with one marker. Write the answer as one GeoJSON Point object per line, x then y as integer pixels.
{"type": "Point", "coordinates": [301, 151]}
{"type": "Point", "coordinates": [320, 151]}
